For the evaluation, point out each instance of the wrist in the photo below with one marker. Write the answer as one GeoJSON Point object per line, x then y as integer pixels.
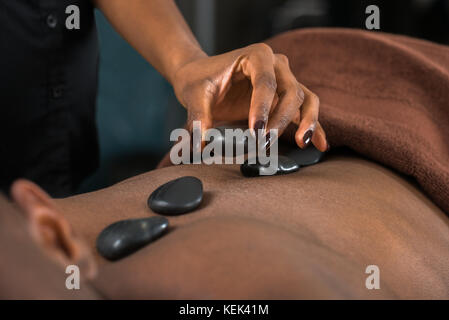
{"type": "Point", "coordinates": [184, 58]}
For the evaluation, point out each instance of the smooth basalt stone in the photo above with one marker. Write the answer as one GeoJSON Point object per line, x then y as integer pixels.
{"type": "Point", "coordinates": [177, 196]}
{"type": "Point", "coordinates": [122, 238]}
{"type": "Point", "coordinates": [306, 157]}
{"type": "Point", "coordinates": [285, 166]}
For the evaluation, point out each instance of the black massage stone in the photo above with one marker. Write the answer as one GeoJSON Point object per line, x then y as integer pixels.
{"type": "Point", "coordinates": [285, 166]}
{"type": "Point", "coordinates": [307, 156]}
{"type": "Point", "coordinates": [177, 196]}
{"type": "Point", "coordinates": [122, 238]}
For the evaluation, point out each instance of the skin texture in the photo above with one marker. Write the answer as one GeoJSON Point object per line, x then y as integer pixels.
{"type": "Point", "coordinates": [306, 235]}
{"type": "Point", "coordinates": [325, 224]}
{"type": "Point", "coordinates": [251, 83]}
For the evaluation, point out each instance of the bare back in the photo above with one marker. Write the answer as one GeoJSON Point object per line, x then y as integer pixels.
{"type": "Point", "coordinates": [345, 213]}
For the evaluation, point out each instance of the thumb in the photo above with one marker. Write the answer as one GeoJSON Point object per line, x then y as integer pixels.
{"type": "Point", "coordinates": [199, 119]}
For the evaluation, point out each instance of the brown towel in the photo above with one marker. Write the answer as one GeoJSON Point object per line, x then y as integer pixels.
{"type": "Point", "coordinates": [384, 96]}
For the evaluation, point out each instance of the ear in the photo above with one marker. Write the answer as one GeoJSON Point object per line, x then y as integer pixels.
{"type": "Point", "coordinates": [49, 228]}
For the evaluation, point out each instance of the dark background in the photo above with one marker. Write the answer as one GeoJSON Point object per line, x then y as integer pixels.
{"type": "Point", "coordinates": [136, 107]}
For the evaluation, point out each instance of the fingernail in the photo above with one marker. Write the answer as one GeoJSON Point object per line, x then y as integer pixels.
{"type": "Point", "coordinates": [328, 147]}
{"type": "Point", "coordinates": [307, 137]}
{"type": "Point", "coordinates": [259, 125]}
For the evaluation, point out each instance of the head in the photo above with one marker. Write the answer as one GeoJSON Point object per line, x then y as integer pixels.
{"type": "Point", "coordinates": [36, 246]}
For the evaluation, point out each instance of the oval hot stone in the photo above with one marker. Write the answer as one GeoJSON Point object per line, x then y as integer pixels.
{"type": "Point", "coordinates": [285, 166]}
{"type": "Point", "coordinates": [177, 196]}
{"type": "Point", "coordinates": [307, 156]}
{"type": "Point", "coordinates": [127, 236]}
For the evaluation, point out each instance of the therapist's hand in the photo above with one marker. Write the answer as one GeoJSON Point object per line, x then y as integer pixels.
{"type": "Point", "coordinates": [250, 83]}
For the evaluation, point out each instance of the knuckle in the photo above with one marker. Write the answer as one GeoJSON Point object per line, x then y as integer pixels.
{"type": "Point", "coordinates": [282, 58]}
{"type": "Point", "coordinates": [209, 88]}
{"type": "Point", "coordinates": [292, 91]}
{"type": "Point", "coordinates": [262, 47]}
{"type": "Point", "coordinates": [266, 79]}
{"type": "Point", "coordinates": [300, 95]}
{"type": "Point", "coordinates": [207, 85]}
{"type": "Point", "coordinates": [284, 121]}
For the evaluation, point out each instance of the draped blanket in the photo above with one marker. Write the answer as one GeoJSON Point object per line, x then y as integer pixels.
{"type": "Point", "coordinates": [384, 96]}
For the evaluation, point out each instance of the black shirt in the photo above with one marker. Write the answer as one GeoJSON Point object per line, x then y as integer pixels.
{"type": "Point", "coordinates": [48, 86]}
